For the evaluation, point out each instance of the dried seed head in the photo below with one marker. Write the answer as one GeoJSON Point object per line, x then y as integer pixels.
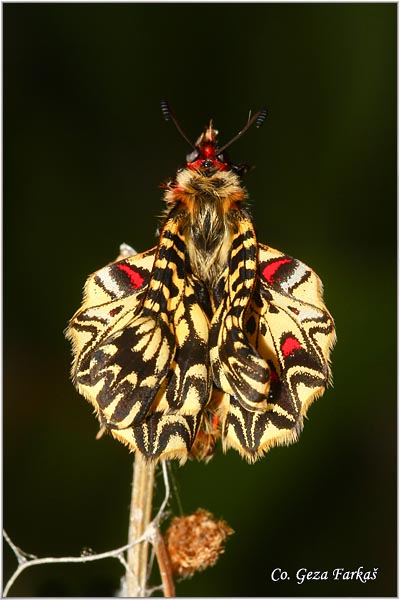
{"type": "Point", "coordinates": [195, 542]}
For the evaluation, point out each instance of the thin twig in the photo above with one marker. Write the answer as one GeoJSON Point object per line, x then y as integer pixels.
{"type": "Point", "coordinates": [149, 534]}
{"type": "Point", "coordinates": [164, 503]}
{"type": "Point", "coordinates": [24, 562]}
{"type": "Point", "coordinates": [164, 563]}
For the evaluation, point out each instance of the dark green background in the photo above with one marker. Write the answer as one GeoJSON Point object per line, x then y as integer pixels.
{"type": "Point", "coordinates": [85, 149]}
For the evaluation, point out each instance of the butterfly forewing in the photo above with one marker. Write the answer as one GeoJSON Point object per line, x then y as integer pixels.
{"type": "Point", "coordinates": [147, 356]}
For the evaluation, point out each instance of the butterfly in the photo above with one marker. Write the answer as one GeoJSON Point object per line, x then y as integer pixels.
{"type": "Point", "coordinates": [210, 335]}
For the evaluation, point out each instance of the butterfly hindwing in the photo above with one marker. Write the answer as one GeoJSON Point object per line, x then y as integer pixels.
{"type": "Point", "coordinates": [162, 435]}
{"type": "Point", "coordinates": [289, 326]}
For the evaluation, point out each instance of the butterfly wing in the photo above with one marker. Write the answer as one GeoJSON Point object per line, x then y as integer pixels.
{"type": "Point", "coordinates": [238, 368]}
{"type": "Point", "coordinates": [140, 342]}
{"type": "Point", "coordinates": [112, 297]}
{"type": "Point", "coordinates": [291, 329]}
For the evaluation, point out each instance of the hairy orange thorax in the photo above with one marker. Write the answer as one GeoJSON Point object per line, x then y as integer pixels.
{"type": "Point", "coordinates": [207, 203]}
{"type": "Point", "coordinates": [207, 194]}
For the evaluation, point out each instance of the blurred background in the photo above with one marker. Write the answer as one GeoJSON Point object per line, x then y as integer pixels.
{"type": "Point", "coordinates": [85, 150]}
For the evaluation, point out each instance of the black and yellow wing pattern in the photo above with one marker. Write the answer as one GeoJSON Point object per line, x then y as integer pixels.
{"type": "Point", "coordinates": [209, 335]}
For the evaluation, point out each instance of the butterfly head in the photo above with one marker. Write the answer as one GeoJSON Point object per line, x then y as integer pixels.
{"type": "Point", "coordinates": [207, 157]}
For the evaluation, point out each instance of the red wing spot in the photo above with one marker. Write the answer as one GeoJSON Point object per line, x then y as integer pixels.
{"type": "Point", "coordinates": [115, 311]}
{"type": "Point", "coordinates": [290, 345]}
{"type": "Point", "coordinates": [270, 269]}
{"type": "Point", "coordinates": [134, 277]}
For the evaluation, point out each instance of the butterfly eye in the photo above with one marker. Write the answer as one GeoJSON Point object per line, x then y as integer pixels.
{"type": "Point", "coordinates": [192, 156]}
{"type": "Point", "coordinates": [206, 164]}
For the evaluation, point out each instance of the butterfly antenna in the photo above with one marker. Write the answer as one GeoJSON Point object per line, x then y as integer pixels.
{"type": "Point", "coordinates": [258, 119]}
{"type": "Point", "coordinates": [169, 116]}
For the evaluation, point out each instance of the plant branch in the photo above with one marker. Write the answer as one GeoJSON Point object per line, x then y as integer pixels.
{"type": "Point", "coordinates": [164, 563]}
{"type": "Point", "coordinates": [26, 560]}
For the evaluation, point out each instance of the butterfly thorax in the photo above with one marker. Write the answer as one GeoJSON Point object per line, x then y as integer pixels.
{"type": "Point", "coordinates": [207, 195]}
{"type": "Point", "coordinates": [206, 205]}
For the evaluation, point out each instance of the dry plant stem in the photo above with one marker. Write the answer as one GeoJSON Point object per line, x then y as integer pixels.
{"type": "Point", "coordinates": [164, 563]}
{"type": "Point", "coordinates": [140, 517]}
